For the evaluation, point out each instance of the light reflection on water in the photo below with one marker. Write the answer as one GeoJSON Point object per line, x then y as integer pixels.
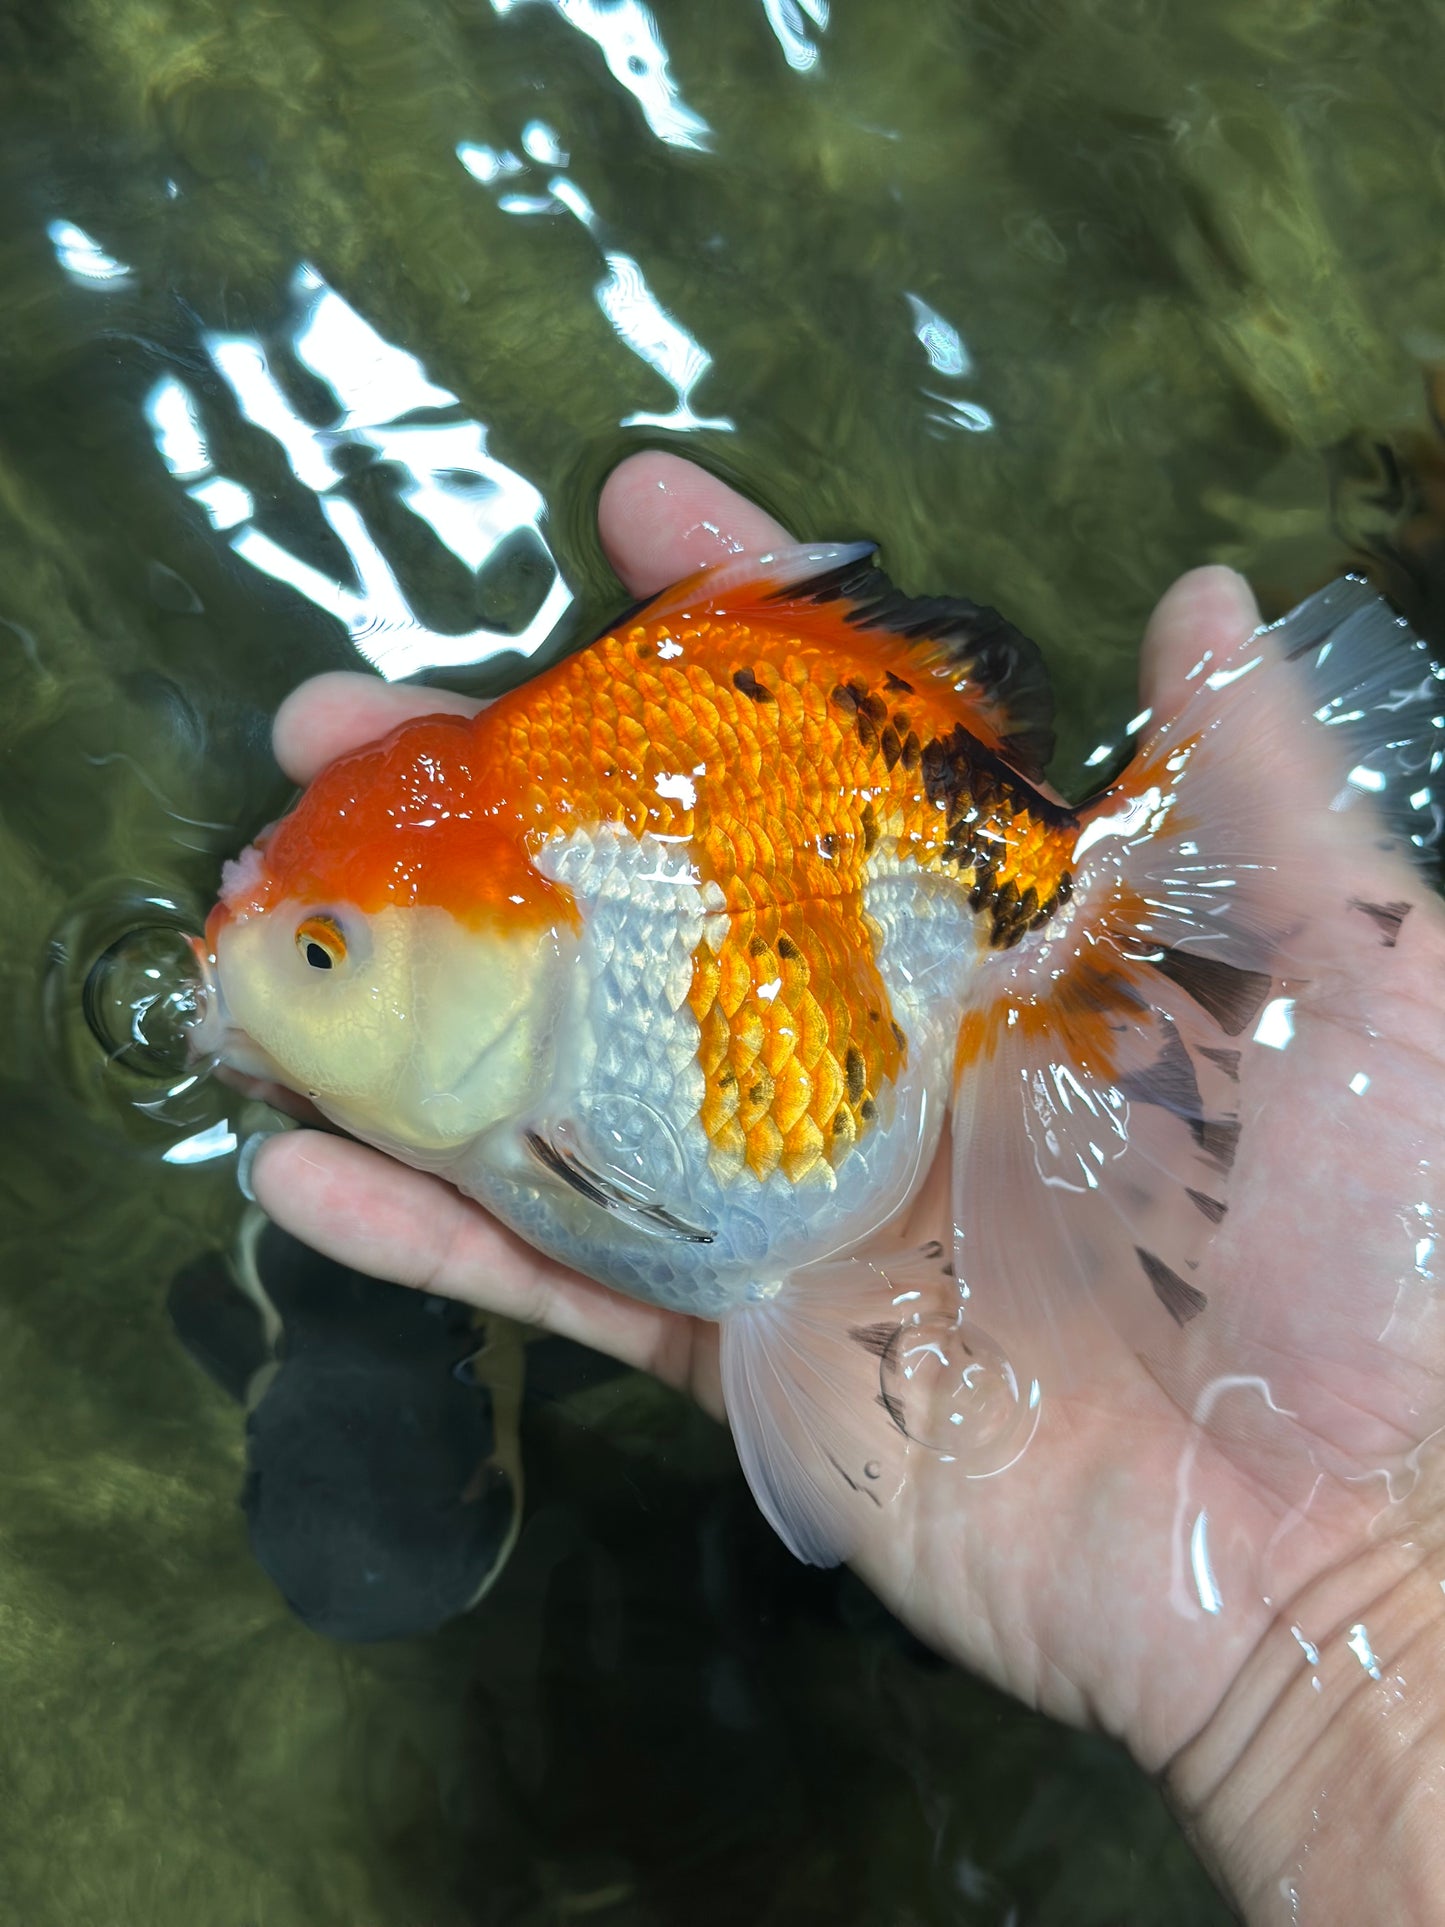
{"type": "Point", "coordinates": [472, 502]}
{"type": "Point", "coordinates": [627, 33]}
{"type": "Point", "coordinates": [638, 318]}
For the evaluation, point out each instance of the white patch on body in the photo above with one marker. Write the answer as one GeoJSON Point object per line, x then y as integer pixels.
{"type": "Point", "coordinates": [627, 1085]}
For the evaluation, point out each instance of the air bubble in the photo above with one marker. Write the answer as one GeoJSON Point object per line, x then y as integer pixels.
{"type": "Point", "coordinates": [950, 1388]}
{"type": "Point", "coordinates": [141, 999]}
{"type": "Point", "coordinates": [123, 989]}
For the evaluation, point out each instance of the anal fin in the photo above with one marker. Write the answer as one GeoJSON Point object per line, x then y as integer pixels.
{"type": "Point", "coordinates": [823, 1457]}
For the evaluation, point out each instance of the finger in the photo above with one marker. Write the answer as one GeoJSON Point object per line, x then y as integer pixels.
{"type": "Point", "coordinates": [1208, 612]}
{"type": "Point", "coordinates": [385, 1219]}
{"type": "Point", "coordinates": [264, 1091]}
{"type": "Point", "coordinates": [331, 714]}
{"type": "Point", "coordinates": [661, 517]}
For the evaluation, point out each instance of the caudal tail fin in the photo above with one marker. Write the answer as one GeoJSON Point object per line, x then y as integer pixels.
{"type": "Point", "coordinates": [1250, 878]}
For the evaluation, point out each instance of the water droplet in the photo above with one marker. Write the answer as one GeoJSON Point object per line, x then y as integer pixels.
{"type": "Point", "coordinates": [951, 1388]}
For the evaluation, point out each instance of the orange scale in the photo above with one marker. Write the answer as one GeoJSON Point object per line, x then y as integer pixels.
{"type": "Point", "coordinates": [694, 723]}
{"type": "Point", "coordinates": [731, 852]}
{"type": "Point", "coordinates": [803, 1151]}
{"type": "Point", "coordinates": [828, 1085]}
{"type": "Point", "coordinates": [756, 1100]}
{"type": "Point", "coordinates": [632, 740]}
{"type": "Point", "coordinates": [793, 1092]}
{"type": "Point", "coordinates": [764, 1148]}
{"type": "Point", "coordinates": [746, 1038]}
{"type": "Point", "coordinates": [729, 1150]}
{"type": "Point", "coordinates": [746, 760]}
{"type": "Point", "coordinates": [719, 1108]}
{"type": "Point", "coordinates": [764, 855]}
{"type": "Point", "coordinates": [812, 1027]}
{"type": "Point", "coordinates": [779, 1042]}
{"type": "Point", "coordinates": [735, 978]}
{"type": "Point", "coordinates": [793, 969]}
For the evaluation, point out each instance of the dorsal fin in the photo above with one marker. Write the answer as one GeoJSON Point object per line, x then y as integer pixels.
{"type": "Point", "coordinates": [1004, 669]}
{"type": "Point", "coordinates": [993, 662]}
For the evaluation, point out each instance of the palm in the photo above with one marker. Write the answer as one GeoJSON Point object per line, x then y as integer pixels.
{"type": "Point", "coordinates": [1068, 1580]}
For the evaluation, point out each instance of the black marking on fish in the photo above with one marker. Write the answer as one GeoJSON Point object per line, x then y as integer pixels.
{"type": "Point", "coordinates": [1014, 913]}
{"type": "Point", "coordinates": [890, 681]}
{"type": "Point", "coordinates": [933, 1249]}
{"type": "Point", "coordinates": [1218, 1139]}
{"type": "Point", "coordinates": [854, 1073]}
{"type": "Point", "coordinates": [894, 1408]}
{"type": "Point", "coordinates": [853, 1485]}
{"type": "Point", "coordinates": [610, 1195]}
{"type": "Point", "coordinates": [1386, 917]}
{"type": "Point", "coordinates": [845, 699]}
{"type": "Point", "coordinates": [959, 770]}
{"type": "Point", "coordinates": [1170, 1081]}
{"type": "Point", "coordinates": [873, 1338]}
{"type": "Point", "coordinates": [787, 948]}
{"type": "Point", "coordinates": [1230, 995]}
{"type": "Point", "coordinates": [1227, 1060]}
{"type": "Point", "coordinates": [999, 660]}
{"type": "Point", "coordinates": [1213, 1208]}
{"type": "Point", "coordinates": [1179, 1298]}
{"type": "Point", "coordinates": [747, 682]}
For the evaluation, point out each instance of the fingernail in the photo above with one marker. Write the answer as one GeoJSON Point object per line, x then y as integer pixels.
{"type": "Point", "coordinates": [246, 1157]}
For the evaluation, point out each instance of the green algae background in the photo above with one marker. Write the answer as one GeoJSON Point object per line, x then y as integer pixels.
{"type": "Point", "coordinates": [1192, 258]}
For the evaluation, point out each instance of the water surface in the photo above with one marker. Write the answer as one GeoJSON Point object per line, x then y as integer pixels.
{"type": "Point", "coordinates": [319, 328]}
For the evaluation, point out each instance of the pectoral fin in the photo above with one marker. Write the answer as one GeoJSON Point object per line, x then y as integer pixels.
{"type": "Point", "coordinates": [610, 1191]}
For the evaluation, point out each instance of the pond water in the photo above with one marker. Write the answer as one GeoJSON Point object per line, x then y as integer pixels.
{"type": "Point", "coordinates": [319, 329]}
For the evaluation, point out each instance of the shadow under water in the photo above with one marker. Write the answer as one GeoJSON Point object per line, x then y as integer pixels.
{"type": "Point", "coordinates": [319, 329]}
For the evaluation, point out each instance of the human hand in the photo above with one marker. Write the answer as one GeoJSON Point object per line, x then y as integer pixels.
{"type": "Point", "coordinates": [1060, 1577]}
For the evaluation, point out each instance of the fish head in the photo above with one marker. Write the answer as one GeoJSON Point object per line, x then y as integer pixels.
{"type": "Point", "coordinates": [371, 953]}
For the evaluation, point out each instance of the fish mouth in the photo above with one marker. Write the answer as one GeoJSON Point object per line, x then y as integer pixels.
{"type": "Point", "coordinates": [216, 1041]}
{"type": "Point", "coordinates": [211, 1024]}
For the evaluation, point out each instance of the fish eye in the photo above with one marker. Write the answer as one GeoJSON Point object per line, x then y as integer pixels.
{"type": "Point", "coordinates": [321, 942]}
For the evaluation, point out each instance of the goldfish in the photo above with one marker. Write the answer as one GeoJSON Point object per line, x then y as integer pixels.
{"type": "Point", "coordinates": [682, 957]}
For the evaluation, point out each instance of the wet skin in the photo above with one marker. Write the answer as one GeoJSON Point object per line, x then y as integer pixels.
{"type": "Point", "coordinates": [1054, 1579]}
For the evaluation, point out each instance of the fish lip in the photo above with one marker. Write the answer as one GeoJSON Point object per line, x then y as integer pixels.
{"type": "Point", "coordinates": [211, 1022]}
{"type": "Point", "coordinates": [218, 1044]}
{"type": "Point", "coordinates": [214, 1037]}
